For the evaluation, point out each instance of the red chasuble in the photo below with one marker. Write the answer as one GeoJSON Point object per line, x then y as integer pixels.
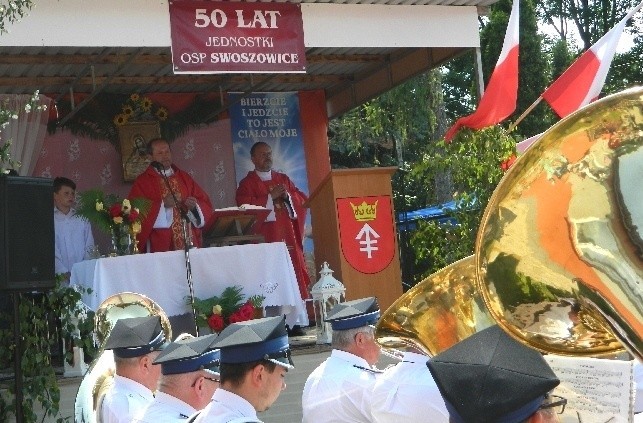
{"type": "Point", "coordinates": [151, 185]}
{"type": "Point", "coordinates": [252, 190]}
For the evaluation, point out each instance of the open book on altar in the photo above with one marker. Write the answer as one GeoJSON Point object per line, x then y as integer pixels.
{"type": "Point", "coordinates": [235, 223]}
{"type": "Point", "coordinates": [597, 390]}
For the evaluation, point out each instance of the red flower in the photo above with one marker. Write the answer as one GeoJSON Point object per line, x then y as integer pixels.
{"type": "Point", "coordinates": [216, 322]}
{"type": "Point", "coordinates": [508, 162]}
{"type": "Point", "coordinates": [133, 215]}
{"type": "Point", "coordinates": [115, 210]}
{"type": "Point", "coordinates": [246, 311]}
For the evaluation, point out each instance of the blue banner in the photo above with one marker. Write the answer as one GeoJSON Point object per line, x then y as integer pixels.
{"type": "Point", "coordinates": [274, 119]}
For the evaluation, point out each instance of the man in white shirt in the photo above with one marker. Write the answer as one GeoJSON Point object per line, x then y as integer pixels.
{"type": "Point", "coordinates": [136, 343]}
{"type": "Point", "coordinates": [73, 234]}
{"type": "Point", "coordinates": [339, 389]}
{"type": "Point", "coordinates": [255, 357]}
{"type": "Point", "coordinates": [407, 392]}
{"type": "Point", "coordinates": [189, 378]}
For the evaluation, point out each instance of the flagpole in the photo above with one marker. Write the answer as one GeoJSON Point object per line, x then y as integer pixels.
{"type": "Point", "coordinates": [524, 114]}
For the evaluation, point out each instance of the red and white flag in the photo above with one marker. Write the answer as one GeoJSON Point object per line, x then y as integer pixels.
{"type": "Point", "coordinates": [583, 81]}
{"type": "Point", "coordinates": [499, 99]}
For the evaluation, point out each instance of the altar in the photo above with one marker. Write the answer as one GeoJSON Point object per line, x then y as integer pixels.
{"type": "Point", "coordinates": [261, 269]}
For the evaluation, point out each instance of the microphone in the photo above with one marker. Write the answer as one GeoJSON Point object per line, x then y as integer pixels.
{"type": "Point", "coordinates": [158, 166]}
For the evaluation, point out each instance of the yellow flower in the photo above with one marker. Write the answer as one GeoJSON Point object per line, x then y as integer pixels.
{"type": "Point", "coordinates": [128, 110]}
{"type": "Point", "coordinates": [120, 120]}
{"type": "Point", "coordinates": [127, 206]}
{"type": "Point", "coordinates": [136, 227]}
{"type": "Point", "coordinates": [99, 206]}
{"type": "Point", "coordinates": [161, 113]}
{"type": "Point", "coordinates": [118, 220]}
{"type": "Point", "coordinates": [217, 309]}
{"type": "Point", "coordinates": [146, 104]}
{"type": "Point", "coordinates": [134, 97]}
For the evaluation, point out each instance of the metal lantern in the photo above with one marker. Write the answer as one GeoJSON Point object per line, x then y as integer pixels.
{"type": "Point", "coordinates": [327, 292]}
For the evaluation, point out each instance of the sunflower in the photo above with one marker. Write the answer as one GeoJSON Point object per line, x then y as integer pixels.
{"type": "Point", "coordinates": [161, 113]}
{"type": "Point", "coordinates": [120, 119]}
{"type": "Point", "coordinates": [146, 104]}
{"type": "Point", "coordinates": [128, 110]}
{"type": "Point", "coordinates": [134, 97]}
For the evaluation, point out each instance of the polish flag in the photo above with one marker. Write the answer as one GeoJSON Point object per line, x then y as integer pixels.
{"type": "Point", "coordinates": [499, 99]}
{"type": "Point", "coordinates": [583, 81]}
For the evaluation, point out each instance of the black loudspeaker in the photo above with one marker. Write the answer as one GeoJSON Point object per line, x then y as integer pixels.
{"type": "Point", "coordinates": [26, 234]}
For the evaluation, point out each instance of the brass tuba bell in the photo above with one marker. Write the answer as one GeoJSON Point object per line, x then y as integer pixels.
{"type": "Point", "coordinates": [439, 311]}
{"type": "Point", "coordinates": [559, 253]}
{"type": "Point", "coordinates": [101, 372]}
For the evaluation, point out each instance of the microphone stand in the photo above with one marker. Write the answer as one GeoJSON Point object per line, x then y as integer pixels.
{"type": "Point", "coordinates": [187, 241]}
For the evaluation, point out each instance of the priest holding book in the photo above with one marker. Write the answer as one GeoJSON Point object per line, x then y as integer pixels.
{"type": "Point", "coordinates": [267, 188]}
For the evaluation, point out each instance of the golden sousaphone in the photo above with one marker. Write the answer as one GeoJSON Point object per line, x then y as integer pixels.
{"type": "Point", "coordinates": [558, 258]}
{"type": "Point", "coordinates": [100, 373]}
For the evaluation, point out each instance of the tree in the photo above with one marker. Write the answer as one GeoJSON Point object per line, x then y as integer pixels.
{"type": "Point", "coordinates": [476, 161]}
{"type": "Point", "coordinates": [389, 130]}
{"type": "Point", "coordinates": [13, 11]}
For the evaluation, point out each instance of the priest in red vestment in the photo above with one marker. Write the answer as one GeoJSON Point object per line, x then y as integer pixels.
{"type": "Point", "coordinates": [162, 228]}
{"type": "Point", "coordinates": [275, 191]}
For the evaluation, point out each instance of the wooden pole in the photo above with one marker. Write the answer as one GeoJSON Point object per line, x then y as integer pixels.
{"type": "Point", "coordinates": [525, 113]}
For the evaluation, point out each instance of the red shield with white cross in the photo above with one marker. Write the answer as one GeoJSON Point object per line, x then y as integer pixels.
{"type": "Point", "coordinates": [366, 232]}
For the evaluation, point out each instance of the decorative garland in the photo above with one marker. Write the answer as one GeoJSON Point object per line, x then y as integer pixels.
{"type": "Point", "coordinates": [102, 116]}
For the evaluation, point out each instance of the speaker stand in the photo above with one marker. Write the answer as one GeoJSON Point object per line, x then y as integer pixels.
{"type": "Point", "coordinates": [17, 357]}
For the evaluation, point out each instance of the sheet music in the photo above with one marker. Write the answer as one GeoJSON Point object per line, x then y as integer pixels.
{"type": "Point", "coordinates": [597, 390]}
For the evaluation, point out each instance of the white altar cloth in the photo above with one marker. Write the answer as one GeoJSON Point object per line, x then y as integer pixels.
{"type": "Point", "coordinates": [263, 269]}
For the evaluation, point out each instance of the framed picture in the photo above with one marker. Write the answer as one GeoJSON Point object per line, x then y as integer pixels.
{"type": "Point", "coordinates": [133, 138]}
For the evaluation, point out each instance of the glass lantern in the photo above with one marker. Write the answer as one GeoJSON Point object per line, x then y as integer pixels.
{"type": "Point", "coordinates": [326, 292]}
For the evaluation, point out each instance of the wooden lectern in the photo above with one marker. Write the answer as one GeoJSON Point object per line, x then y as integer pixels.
{"type": "Point", "coordinates": [233, 226]}
{"type": "Point", "coordinates": [342, 206]}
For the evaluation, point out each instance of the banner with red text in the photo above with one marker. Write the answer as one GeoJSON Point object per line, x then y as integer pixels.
{"type": "Point", "coordinates": [366, 232]}
{"type": "Point", "coordinates": [235, 37]}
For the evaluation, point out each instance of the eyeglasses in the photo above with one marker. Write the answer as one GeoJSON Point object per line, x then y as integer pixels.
{"type": "Point", "coordinates": [208, 378]}
{"type": "Point", "coordinates": [554, 402]}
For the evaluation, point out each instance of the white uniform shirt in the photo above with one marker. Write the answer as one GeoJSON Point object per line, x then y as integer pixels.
{"type": "Point", "coordinates": [165, 408]}
{"type": "Point", "coordinates": [638, 388]}
{"type": "Point", "coordinates": [227, 407]}
{"type": "Point", "coordinates": [407, 392]}
{"type": "Point", "coordinates": [339, 390]}
{"type": "Point", "coordinates": [125, 399]}
{"type": "Point", "coordinates": [73, 237]}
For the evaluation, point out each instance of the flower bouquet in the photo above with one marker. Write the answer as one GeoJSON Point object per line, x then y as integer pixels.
{"type": "Point", "coordinates": [120, 218]}
{"type": "Point", "coordinates": [219, 311]}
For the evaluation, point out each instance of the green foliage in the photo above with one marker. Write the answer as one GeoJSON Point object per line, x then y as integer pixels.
{"type": "Point", "coordinates": [11, 11]}
{"type": "Point", "coordinates": [230, 300]}
{"type": "Point", "coordinates": [37, 312]}
{"type": "Point", "coordinates": [473, 160]}
{"type": "Point", "coordinates": [257, 300]}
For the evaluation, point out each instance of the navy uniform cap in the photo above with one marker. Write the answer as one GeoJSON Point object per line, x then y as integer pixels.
{"type": "Point", "coordinates": [189, 355]}
{"type": "Point", "coordinates": [492, 378]}
{"type": "Point", "coordinates": [136, 336]}
{"type": "Point", "coordinates": [254, 340]}
{"type": "Point", "coordinates": [354, 314]}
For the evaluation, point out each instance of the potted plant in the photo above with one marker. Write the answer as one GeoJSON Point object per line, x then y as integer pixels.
{"type": "Point", "coordinates": [257, 303]}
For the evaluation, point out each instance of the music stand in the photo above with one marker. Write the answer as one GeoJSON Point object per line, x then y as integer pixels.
{"type": "Point", "coordinates": [235, 225]}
